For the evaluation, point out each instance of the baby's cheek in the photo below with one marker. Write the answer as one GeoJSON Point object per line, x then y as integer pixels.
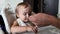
{"type": "Point", "coordinates": [25, 19]}
{"type": "Point", "coordinates": [22, 17]}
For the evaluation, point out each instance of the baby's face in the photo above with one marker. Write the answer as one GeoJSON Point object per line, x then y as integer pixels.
{"type": "Point", "coordinates": [23, 13]}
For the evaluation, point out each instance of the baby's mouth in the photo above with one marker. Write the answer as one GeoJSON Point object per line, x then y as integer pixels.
{"type": "Point", "coordinates": [25, 21]}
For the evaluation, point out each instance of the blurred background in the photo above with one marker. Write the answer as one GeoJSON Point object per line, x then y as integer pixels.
{"type": "Point", "coordinates": [51, 7]}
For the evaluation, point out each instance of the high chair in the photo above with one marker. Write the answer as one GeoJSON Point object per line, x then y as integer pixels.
{"type": "Point", "coordinates": [8, 18]}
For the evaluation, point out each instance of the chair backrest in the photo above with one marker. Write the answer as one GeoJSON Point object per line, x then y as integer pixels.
{"type": "Point", "coordinates": [8, 18]}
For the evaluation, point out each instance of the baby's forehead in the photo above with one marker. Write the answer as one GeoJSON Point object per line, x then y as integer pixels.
{"type": "Point", "coordinates": [22, 7]}
{"type": "Point", "coordinates": [27, 9]}
{"type": "Point", "coordinates": [18, 7]}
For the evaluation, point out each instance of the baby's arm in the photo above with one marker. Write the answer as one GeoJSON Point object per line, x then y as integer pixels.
{"type": "Point", "coordinates": [15, 28]}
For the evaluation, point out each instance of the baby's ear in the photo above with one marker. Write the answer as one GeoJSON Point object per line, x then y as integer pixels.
{"type": "Point", "coordinates": [17, 15]}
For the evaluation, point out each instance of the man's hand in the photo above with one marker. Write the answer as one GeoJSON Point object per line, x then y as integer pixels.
{"type": "Point", "coordinates": [42, 19]}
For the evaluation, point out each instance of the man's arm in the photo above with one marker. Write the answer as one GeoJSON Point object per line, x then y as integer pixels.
{"type": "Point", "coordinates": [42, 19]}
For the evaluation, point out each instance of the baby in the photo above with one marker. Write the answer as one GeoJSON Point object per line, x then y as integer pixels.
{"type": "Point", "coordinates": [23, 11]}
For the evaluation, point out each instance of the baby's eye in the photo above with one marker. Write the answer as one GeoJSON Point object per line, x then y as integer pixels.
{"type": "Point", "coordinates": [29, 14]}
{"type": "Point", "coordinates": [24, 14]}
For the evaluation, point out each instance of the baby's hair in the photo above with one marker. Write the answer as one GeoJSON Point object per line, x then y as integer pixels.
{"type": "Point", "coordinates": [25, 5]}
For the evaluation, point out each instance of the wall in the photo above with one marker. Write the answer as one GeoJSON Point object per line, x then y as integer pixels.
{"type": "Point", "coordinates": [12, 4]}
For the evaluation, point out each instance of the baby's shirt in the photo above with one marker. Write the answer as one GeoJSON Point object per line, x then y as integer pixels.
{"type": "Point", "coordinates": [20, 22]}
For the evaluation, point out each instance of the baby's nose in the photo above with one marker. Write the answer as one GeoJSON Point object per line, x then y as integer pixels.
{"type": "Point", "coordinates": [27, 16]}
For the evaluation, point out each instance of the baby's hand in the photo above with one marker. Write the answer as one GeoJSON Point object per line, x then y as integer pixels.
{"type": "Point", "coordinates": [29, 28]}
{"type": "Point", "coordinates": [33, 29]}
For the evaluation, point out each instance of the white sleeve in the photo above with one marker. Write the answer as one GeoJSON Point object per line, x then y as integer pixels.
{"type": "Point", "coordinates": [20, 22]}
